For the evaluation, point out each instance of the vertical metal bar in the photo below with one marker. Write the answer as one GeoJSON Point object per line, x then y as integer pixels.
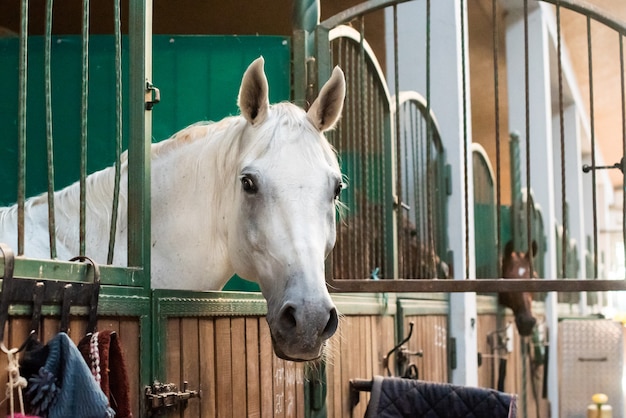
{"type": "Point", "coordinates": [352, 148]}
{"type": "Point", "coordinates": [593, 151]}
{"type": "Point", "coordinates": [49, 137]}
{"type": "Point", "coordinates": [496, 88]}
{"type": "Point", "coordinates": [402, 168]}
{"type": "Point", "coordinates": [83, 124]}
{"type": "Point", "coordinates": [623, 91]}
{"type": "Point", "coordinates": [529, 203]}
{"type": "Point", "coordinates": [465, 139]}
{"type": "Point", "coordinates": [417, 132]}
{"type": "Point", "coordinates": [324, 62]}
{"type": "Point", "coordinates": [405, 144]}
{"type": "Point", "coordinates": [140, 126]}
{"type": "Point", "coordinates": [305, 18]}
{"type": "Point", "coordinates": [430, 247]}
{"type": "Point", "coordinates": [118, 129]}
{"type": "Point", "coordinates": [365, 138]}
{"type": "Point", "coordinates": [21, 148]}
{"type": "Point", "coordinates": [516, 186]}
{"type": "Point", "coordinates": [564, 244]}
{"type": "Point", "coordinates": [417, 125]}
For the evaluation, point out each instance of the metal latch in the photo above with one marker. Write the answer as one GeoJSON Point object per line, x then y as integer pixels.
{"type": "Point", "coordinates": [164, 397]}
{"type": "Point", "coordinates": [153, 95]}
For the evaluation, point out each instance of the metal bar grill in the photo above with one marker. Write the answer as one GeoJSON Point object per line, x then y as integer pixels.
{"type": "Point", "coordinates": [49, 137]}
{"type": "Point", "coordinates": [593, 150]}
{"type": "Point", "coordinates": [496, 95]}
{"type": "Point", "coordinates": [561, 137]}
{"type": "Point", "coordinates": [83, 125]}
{"type": "Point", "coordinates": [21, 153]}
{"type": "Point", "coordinates": [529, 206]}
{"type": "Point", "coordinates": [623, 97]}
{"type": "Point", "coordinates": [362, 232]}
{"type": "Point", "coordinates": [50, 50]}
{"type": "Point", "coordinates": [527, 223]}
{"type": "Point", "coordinates": [118, 129]}
{"type": "Point", "coordinates": [421, 227]}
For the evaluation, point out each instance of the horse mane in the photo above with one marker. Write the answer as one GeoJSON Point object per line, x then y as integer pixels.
{"type": "Point", "coordinates": [100, 183]}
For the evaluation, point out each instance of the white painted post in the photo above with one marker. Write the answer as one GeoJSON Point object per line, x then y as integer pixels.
{"type": "Point", "coordinates": [574, 184]}
{"type": "Point", "coordinates": [541, 148]}
{"type": "Point", "coordinates": [446, 101]}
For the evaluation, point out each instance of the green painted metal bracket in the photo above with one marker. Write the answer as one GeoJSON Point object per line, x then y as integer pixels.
{"type": "Point", "coordinates": [69, 271]}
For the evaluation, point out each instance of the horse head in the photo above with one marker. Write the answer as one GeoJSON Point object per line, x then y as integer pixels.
{"type": "Point", "coordinates": [283, 221]}
{"type": "Point", "coordinates": [517, 265]}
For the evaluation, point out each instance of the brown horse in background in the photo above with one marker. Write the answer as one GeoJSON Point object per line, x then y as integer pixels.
{"type": "Point", "coordinates": [517, 265]}
{"type": "Point", "coordinates": [359, 250]}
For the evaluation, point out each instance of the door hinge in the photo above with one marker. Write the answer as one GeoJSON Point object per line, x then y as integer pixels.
{"type": "Point", "coordinates": [452, 353]}
{"type": "Point", "coordinates": [448, 177]}
{"type": "Point", "coordinates": [165, 397]}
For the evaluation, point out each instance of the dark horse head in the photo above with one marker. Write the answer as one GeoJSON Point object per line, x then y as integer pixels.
{"type": "Point", "coordinates": [517, 265]}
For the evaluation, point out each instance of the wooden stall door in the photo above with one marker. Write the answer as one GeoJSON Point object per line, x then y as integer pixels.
{"type": "Point", "coordinates": [220, 344]}
{"type": "Point", "coordinates": [128, 329]}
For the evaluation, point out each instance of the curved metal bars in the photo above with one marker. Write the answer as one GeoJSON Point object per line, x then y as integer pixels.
{"type": "Point", "coordinates": [354, 35]}
{"type": "Point", "coordinates": [420, 101]}
{"type": "Point", "coordinates": [357, 11]}
{"type": "Point", "coordinates": [592, 11]}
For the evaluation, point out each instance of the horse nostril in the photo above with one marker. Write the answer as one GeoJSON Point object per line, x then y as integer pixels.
{"type": "Point", "coordinates": [331, 325]}
{"type": "Point", "coordinates": [288, 317]}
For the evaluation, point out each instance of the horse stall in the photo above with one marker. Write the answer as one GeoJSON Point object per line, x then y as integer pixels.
{"type": "Point", "coordinates": [508, 361]}
{"type": "Point", "coordinates": [431, 190]}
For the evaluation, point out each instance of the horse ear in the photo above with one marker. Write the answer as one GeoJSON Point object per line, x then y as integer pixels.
{"type": "Point", "coordinates": [253, 98]}
{"type": "Point", "coordinates": [326, 109]}
{"type": "Point", "coordinates": [508, 249]}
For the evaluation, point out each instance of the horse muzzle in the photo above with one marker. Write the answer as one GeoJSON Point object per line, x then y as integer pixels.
{"type": "Point", "coordinates": [525, 324]}
{"type": "Point", "coordinates": [299, 331]}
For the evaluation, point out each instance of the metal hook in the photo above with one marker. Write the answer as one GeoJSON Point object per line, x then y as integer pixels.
{"type": "Point", "coordinates": [587, 168]}
{"type": "Point", "coordinates": [403, 354]}
{"type": "Point", "coordinates": [9, 260]}
{"type": "Point", "coordinates": [93, 306]}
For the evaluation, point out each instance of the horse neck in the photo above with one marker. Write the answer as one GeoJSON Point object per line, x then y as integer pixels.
{"type": "Point", "coordinates": [191, 202]}
{"type": "Point", "coordinates": [99, 192]}
{"type": "Point", "coordinates": [196, 167]}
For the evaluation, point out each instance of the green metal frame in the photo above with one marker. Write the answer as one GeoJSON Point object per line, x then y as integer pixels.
{"type": "Point", "coordinates": [131, 294]}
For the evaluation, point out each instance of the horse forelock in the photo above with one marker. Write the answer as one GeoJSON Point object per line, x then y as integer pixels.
{"type": "Point", "coordinates": [286, 123]}
{"type": "Point", "coordinates": [268, 137]}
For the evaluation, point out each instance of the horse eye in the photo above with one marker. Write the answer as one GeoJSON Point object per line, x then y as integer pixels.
{"type": "Point", "coordinates": [248, 185]}
{"type": "Point", "coordinates": [338, 190]}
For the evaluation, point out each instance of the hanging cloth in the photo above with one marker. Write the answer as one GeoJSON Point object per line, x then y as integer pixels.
{"type": "Point", "coordinates": [64, 386]}
{"type": "Point", "coordinates": [103, 354]}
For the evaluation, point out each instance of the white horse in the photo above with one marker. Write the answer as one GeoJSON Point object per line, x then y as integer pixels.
{"type": "Point", "coordinates": [253, 195]}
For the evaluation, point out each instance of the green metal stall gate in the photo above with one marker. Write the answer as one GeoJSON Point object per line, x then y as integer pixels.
{"type": "Point", "coordinates": [95, 89]}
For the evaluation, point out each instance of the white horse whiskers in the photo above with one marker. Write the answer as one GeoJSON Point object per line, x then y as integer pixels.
{"type": "Point", "coordinates": [253, 195]}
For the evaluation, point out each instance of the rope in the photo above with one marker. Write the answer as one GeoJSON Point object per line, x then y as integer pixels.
{"type": "Point", "coordinates": [94, 355]}
{"type": "Point", "coordinates": [15, 380]}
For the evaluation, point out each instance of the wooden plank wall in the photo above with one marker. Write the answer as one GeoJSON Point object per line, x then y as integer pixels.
{"type": "Point", "coordinates": [231, 361]}
{"type": "Point", "coordinates": [430, 334]}
{"type": "Point", "coordinates": [18, 328]}
{"type": "Point", "coordinates": [356, 351]}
